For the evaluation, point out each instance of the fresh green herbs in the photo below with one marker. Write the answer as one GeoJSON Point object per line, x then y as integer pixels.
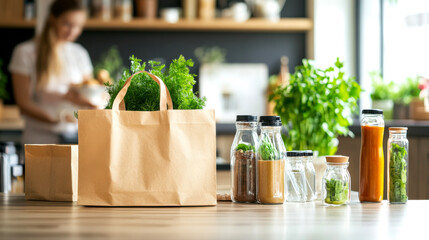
{"type": "Point", "coordinates": [143, 93]}
{"type": "Point", "coordinates": [337, 191]}
{"type": "Point", "coordinates": [407, 91]}
{"type": "Point", "coordinates": [402, 93]}
{"type": "Point", "coordinates": [381, 89]}
{"type": "Point", "coordinates": [398, 175]}
{"type": "Point", "coordinates": [245, 147]}
{"type": "Point", "coordinates": [316, 107]}
{"type": "Point", "coordinates": [267, 150]}
{"type": "Point", "coordinates": [3, 81]}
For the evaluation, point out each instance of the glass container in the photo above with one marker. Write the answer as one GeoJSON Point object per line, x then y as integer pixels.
{"type": "Point", "coordinates": [336, 181]}
{"type": "Point", "coordinates": [397, 155]}
{"type": "Point", "coordinates": [371, 156]}
{"type": "Point", "coordinates": [296, 185]}
{"type": "Point", "coordinates": [310, 176]}
{"type": "Point", "coordinates": [271, 162]}
{"type": "Point", "coordinates": [243, 160]}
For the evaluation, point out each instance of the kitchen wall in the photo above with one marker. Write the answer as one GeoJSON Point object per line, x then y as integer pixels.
{"type": "Point", "coordinates": [242, 47]}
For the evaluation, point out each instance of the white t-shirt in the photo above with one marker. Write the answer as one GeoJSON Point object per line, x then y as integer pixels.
{"type": "Point", "coordinates": [75, 65]}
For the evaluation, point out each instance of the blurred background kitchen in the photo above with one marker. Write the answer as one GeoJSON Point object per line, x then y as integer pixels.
{"type": "Point", "coordinates": [243, 51]}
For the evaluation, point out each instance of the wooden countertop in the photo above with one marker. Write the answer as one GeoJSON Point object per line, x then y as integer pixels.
{"type": "Point", "coordinates": [11, 119]}
{"type": "Point", "coordinates": [20, 219]}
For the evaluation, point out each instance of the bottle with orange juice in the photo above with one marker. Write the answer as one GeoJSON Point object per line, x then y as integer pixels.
{"type": "Point", "coordinates": [371, 168]}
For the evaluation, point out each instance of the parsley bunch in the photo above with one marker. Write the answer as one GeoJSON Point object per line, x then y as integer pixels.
{"type": "Point", "coordinates": [143, 93]}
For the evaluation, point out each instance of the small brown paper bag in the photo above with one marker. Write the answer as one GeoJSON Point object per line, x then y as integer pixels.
{"type": "Point", "coordinates": [159, 158]}
{"type": "Point", "coordinates": [51, 172]}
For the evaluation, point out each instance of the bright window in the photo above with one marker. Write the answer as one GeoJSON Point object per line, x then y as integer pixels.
{"type": "Point", "coordinates": [405, 39]}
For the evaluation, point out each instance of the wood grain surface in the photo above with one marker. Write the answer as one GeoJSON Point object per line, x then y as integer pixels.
{"type": "Point", "coordinates": [20, 219]}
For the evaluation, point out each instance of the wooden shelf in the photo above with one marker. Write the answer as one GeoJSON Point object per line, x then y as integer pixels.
{"type": "Point", "coordinates": [252, 25]}
{"type": "Point", "coordinates": [17, 23]}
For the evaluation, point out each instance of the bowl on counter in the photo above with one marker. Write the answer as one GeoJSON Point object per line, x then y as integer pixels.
{"type": "Point", "coordinates": [95, 92]}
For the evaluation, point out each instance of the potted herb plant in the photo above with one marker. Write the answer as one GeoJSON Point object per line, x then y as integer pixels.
{"type": "Point", "coordinates": [382, 94]}
{"type": "Point", "coordinates": [3, 91]}
{"type": "Point", "coordinates": [316, 107]}
{"type": "Point", "coordinates": [403, 96]}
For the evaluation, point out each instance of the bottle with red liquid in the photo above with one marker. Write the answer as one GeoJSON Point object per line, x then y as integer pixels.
{"type": "Point", "coordinates": [371, 168]}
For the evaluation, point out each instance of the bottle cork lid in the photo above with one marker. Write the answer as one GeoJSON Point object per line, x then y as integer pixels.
{"type": "Point", "coordinates": [398, 129]}
{"type": "Point", "coordinates": [337, 159]}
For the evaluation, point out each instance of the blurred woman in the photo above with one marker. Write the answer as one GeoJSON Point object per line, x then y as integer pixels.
{"type": "Point", "coordinates": [43, 70]}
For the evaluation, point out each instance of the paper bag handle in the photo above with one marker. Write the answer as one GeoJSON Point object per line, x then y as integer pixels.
{"type": "Point", "coordinates": [165, 101]}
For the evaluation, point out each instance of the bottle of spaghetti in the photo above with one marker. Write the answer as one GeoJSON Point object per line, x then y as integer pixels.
{"type": "Point", "coordinates": [371, 167]}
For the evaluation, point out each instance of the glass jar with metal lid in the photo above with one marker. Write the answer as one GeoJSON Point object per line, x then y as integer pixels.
{"type": "Point", "coordinates": [296, 186]}
{"type": "Point", "coordinates": [397, 171]}
{"type": "Point", "coordinates": [336, 181]}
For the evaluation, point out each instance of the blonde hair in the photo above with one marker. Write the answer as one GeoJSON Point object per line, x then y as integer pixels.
{"type": "Point", "coordinates": [48, 62]}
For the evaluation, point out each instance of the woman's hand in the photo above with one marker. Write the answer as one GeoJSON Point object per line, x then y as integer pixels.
{"type": "Point", "coordinates": [76, 98]}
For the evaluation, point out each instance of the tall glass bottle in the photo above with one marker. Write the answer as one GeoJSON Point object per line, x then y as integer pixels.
{"type": "Point", "coordinates": [243, 160]}
{"type": "Point", "coordinates": [397, 171]}
{"type": "Point", "coordinates": [271, 162]}
{"type": "Point", "coordinates": [371, 168]}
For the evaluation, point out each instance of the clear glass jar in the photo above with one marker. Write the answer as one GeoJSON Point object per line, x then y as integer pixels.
{"type": "Point", "coordinates": [371, 181]}
{"type": "Point", "coordinates": [243, 160]}
{"type": "Point", "coordinates": [271, 162]}
{"type": "Point", "coordinates": [124, 9]}
{"type": "Point", "coordinates": [296, 186]}
{"type": "Point", "coordinates": [397, 171]}
{"type": "Point", "coordinates": [336, 181]}
{"type": "Point", "coordinates": [310, 176]}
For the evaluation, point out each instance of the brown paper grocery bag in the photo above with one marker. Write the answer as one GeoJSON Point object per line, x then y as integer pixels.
{"type": "Point", "coordinates": [51, 172]}
{"type": "Point", "coordinates": [159, 158]}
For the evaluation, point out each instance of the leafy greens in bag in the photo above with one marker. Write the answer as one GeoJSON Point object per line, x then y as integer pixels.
{"type": "Point", "coordinates": [143, 93]}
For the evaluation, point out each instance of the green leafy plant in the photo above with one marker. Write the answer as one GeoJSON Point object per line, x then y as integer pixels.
{"type": "Point", "coordinates": [267, 150]}
{"type": "Point", "coordinates": [317, 106]}
{"type": "Point", "coordinates": [398, 174]}
{"type": "Point", "coordinates": [337, 191]}
{"type": "Point", "coordinates": [110, 61]}
{"type": "Point", "coordinates": [381, 90]}
{"type": "Point", "coordinates": [143, 93]}
{"type": "Point", "coordinates": [245, 147]}
{"type": "Point", "coordinates": [3, 81]}
{"type": "Point", "coordinates": [407, 91]}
